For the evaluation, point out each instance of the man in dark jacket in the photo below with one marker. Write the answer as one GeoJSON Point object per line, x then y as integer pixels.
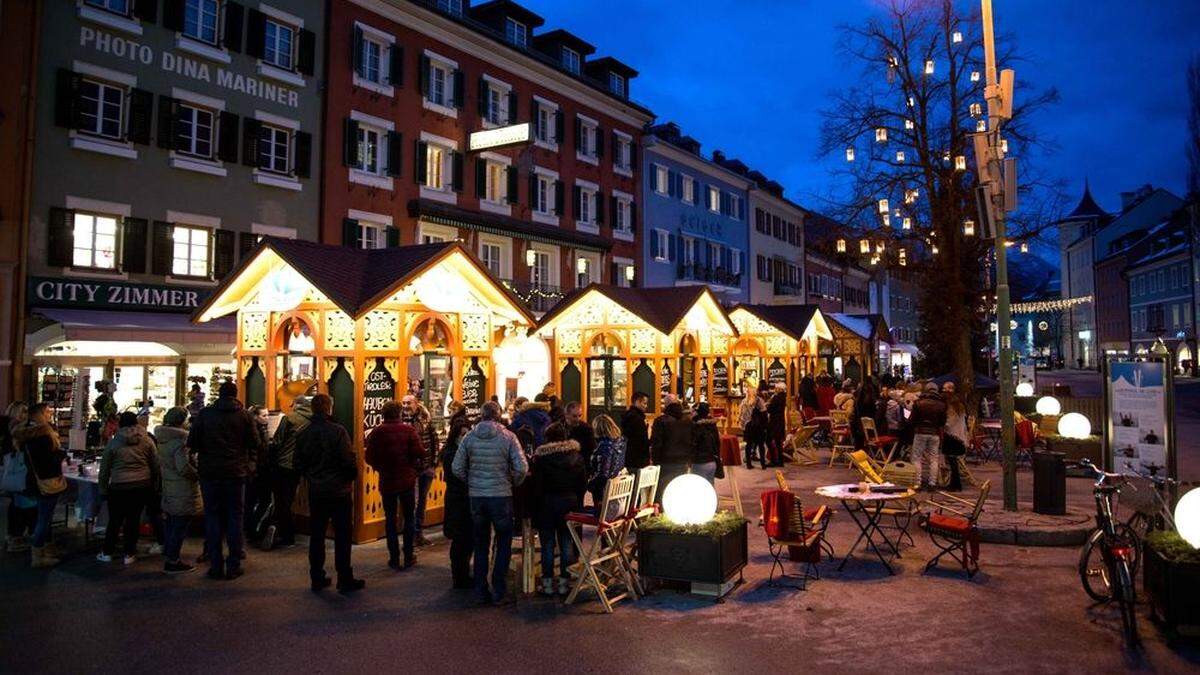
{"type": "Point", "coordinates": [579, 431]}
{"type": "Point", "coordinates": [284, 480]}
{"type": "Point", "coordinates": [637, 437]}
{"type": "Point", "coordinates": [927, 422]}
{"type": "Point", "coordinates": [559, 478]}
{"type": "Point", "coordinates": [671, 445]}
{"type": "Point", "coordinates": [777, 424]}
{"type": "Point", "coordinates": [394, 450]}
{"type": "Point", "coordinates": [325, 457]}
{"type": "Point", "coordinates": [531, 421]}
{"type": "Point", "coordinates": [226, 440]}
{"type": "Point", "coordinates": [417, 415]}
{"type": "Point", "coordinates": [456, 522]}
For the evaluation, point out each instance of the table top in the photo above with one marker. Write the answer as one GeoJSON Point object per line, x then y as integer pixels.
{"type": "Point", "coordinates": [843, 492]}
{"type": "Point", "coordinates": [989, 424]}
{"type": "Point", "coordinates": [93, 472]}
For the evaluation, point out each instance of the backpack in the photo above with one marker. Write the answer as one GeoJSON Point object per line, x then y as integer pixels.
{"type": "Point", "coordinates": [15, 473]}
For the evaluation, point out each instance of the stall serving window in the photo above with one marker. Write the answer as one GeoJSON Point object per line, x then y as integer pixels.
{"type": "Point", "coordinates": [608, 377]}
{"type": "Point", "coordinates": [431, 369]}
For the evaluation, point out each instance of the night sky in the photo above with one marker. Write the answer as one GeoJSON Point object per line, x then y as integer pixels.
{"type": "Point", "coordinates": [751, 77]}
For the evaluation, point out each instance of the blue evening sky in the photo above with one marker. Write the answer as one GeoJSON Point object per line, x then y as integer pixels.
{"type": "Point", "coordinates": [750, 77]}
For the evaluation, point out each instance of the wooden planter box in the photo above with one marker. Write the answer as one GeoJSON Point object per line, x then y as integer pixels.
{"type": "Point", "coordinates": [1173, 589]}
{"type": "Point", "coordinates": [690, 557]}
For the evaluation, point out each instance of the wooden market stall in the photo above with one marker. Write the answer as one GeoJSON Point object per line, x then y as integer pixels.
{"type": "Point", "coordinates": [608, 342]}
{"type": "Point", "coordinates": [856, 340]}
{"type": "Point", "coordinates": [366, 326]}
{"type": "Point", "coordinates": [778, 343]}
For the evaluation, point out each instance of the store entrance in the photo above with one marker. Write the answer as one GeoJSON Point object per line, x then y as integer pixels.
{"type": "Point", "coordinates": [608, 378]}
{"type": "Point", "coordinates": [431, 370]}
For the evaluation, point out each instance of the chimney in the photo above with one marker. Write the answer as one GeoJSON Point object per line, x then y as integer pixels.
{"type": "Point", "coordinates": [718, 156]}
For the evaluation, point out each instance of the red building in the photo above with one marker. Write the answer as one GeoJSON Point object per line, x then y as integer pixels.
{"type": "Point", "coordinates": [409, 81]}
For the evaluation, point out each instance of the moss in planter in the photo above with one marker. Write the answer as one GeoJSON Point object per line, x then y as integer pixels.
{"type": "Point", "coordinates": [1172, 547]}
{"type": "Point", "coordinates": [721, 524]}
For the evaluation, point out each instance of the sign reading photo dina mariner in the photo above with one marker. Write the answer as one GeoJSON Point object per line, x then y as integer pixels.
{"type": "Point", "coordinates": [99, 294]}
{"type": "Point", "coordinates": [1138, 428]}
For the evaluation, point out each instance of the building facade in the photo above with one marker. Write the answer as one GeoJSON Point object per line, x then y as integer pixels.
{"type": "Point", "coordinates": [777, 245]}
{"type": "Point", "coordinates": [1076, 270]}
{"type": "Point", "coordinates": [169, 137]}
{"type": "Point", "coordinates": [695, 217]}
{"type": "Point", "coordinates": [547, 207]}
{"type": "Point", "coordinates": [1162, 290]}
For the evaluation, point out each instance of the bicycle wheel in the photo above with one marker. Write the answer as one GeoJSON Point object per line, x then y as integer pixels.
{"type": "Point", "coordinates": [1139, 525]}
{"type": "Point", "coordinates": [1093, 568]}
{"type": "Point", "coordinates": [1127, 600]}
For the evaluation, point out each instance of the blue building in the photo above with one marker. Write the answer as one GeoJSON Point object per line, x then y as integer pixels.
{"type": "Point", "coordinates": [694, 217]}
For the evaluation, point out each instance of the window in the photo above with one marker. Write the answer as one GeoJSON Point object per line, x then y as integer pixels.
{"type": "Point", "coordinates": [661, 180]}
{"type": "Point", "coordinates": [735, 205]}
{"type": "Point", "coordinates": [95, 241]}
{"type": "Point", "coordinates": [115, 6]}
{"type": "Point", "coordinates": [616, 84]}
{"type": "Point", "coordinates": [622, 216]}
{"type": "Point", "coordinates": [372, 60]}
{"type": "Point", "coordinates": [496, 187]}
{"type": "Point", "coordinates": [496, 110]}
{"type": "Point", "coordinates": [432, 239]}
{"type": "Point", "coordinates": [435, 163]}
{"type": "Point", "coordinates": [714, 199]}
{"type": "Point", "coordinates": [735, 261]}
{"type": "Point", "coordinates": [194, 131]}
{"type": "Point", "coordinates": [515, 32]}
{"type": "Point", "coordinates": [450, 6]}
{"type": "Point", "coordinates": [372, 235]}
{"type": "Point", "coordinates": [586, 139]}
{"type": "Point", "coordinates": [689, 189]}
{"type": "Point", "coordinates": [273, 146]}
{"type": "Point", "coordinates": [545, 123]}
{"type": "Point", "coordinates": [623, 157]}
{"type": "Point", "coordinates": [664, 245]}
{"type": "Point", "coordinates": [489, 255]}
{"type": "Point", "coordinates": [190, 255]}
{"type": "Point", "coordinates": [200, 20]}
{"type": "Point", "coordinates": [622, 270]}
{"type": "Point", "coordinates": [277, 49]}
{"type": "Point", "coordinates": [441, 90]}
{"type": "Point", "coordinates": [544, 199]}
{"type": "Point", "coordinates": [539, 274]}
{"type": "Point", "coordinates": [102, 108]}
{"type": "Point", "coordinates": [369, 146]}
{"type": "Point", "coordinates": [689, 251]}
{"type": "Point", "coordinates": [570, 60]}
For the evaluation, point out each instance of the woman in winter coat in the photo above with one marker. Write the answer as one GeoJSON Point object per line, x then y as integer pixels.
{"type": "Point", "coordinates": [607, 459]}
{"type": "Point", "coordinates": [129, 472]}
{"type": "Point", "coordinates": [809, 402]}
{"type": "Point", "coordinates": [44, 457]}
{"type": "Point", "coordinates": [180, 486]}
{"type": "Point", "coordinates": [706, 444]}
{"type": "Point", "coordinates": [22, 504]}
{"type": "Point", "coordinates": [456, 522]}
{"type": "Point", "coordinates": [559, 478]}
{"type": "Point", "coordinates": [756, 434]}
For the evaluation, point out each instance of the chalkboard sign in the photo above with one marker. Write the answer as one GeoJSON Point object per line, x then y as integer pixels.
{"type": "Point", "coordinates": [665, 379]}
{"type": "Point", "coordinates": [720, 378]}
{"type": "Point", "coordinates": [704, 380]}
{"type": "Point", "coordinates": [776, 373]}
{"type": "Point", "coordinates": [378, 389]}
{"type": "Point", "coordinates": [474, 388]}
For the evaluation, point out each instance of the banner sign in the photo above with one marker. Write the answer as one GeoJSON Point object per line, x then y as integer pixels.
{"type": "Point", "coordinates": [1139, 432]}
{"type": "Point", "coordinates": [720, 378]}
{"type": "Point", "coordinates": [474, 385]}
{"type": "Point", "coordinates": [378, 389]}
{"type": "Point", "coordinates": [495, 138]}
{"type": "Point", "coordinates": [101, 294]}
{"type": "Point", "coordinates": [776, 373]}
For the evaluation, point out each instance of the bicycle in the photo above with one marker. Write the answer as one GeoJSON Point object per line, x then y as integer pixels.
{"type": "Point", "coordinates": [1151, 508]}
{"type": "Point", "coordinates": [1109, 558]}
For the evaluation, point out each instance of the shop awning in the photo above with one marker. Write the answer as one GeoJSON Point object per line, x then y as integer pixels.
{"type": "Point", "coordinates": [796, 321]}
{"type": "Point", "coordinates": [53, 326]}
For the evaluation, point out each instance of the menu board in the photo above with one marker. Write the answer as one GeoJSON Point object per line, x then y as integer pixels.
{"type": "Point", "coordinates": [378, 389]}
{"type": "Point", "coordinates": [704, 381]}
{"type": "Point", "coordinates": [1138, 418]}
{"type": "Point", "coordinates": [720, 378]}
{"type": "Point", "coordinates": [776, 373]}
{"type": "Point", "coordinates": [665, 380]}
{"type": "Point", "coordinates": [474, 388]}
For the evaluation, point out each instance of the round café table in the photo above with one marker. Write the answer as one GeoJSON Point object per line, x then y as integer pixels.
{"type": "Point", "coordinates": [865, 509]}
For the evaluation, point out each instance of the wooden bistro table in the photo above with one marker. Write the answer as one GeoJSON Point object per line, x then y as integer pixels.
{"type": "Point", "coordinates": [731, 454]}
{"type": "Point", "coordinates": [865, 509]}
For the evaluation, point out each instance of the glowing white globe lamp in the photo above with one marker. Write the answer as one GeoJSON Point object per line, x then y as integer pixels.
{"type": "Point", "coordinates": [689, 500]}
{"type": "Point", "coordinates": [1187, 517]}
{"type": "Point", "coordinates": [1024, 389]}
{"type": "Point", "coordinates": [1074, 425]}
{"type": "Point", "coordinates": [1048, 405]}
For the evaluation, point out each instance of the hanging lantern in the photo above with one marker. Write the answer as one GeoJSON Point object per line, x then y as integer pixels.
{"type": "Point", "coordinates": [530, 257]}
{"type": "Point", "coordinates": [908, 124]}
{"type": "Point", "coordinates": [976, 109]}
{"type": "Point", "coordinates": [880, 135]}
{"type": "Point", "coordinates": [864, 246]}
{"type": "Point", "coordinates": [887, 220]}
{"type": "Point", "coordinates": [907, 223]}
{"type": "Point", "coordinates": [883, 206]}
{"type": "Point", "coordinates": [630, 273]}
{"type": "Point", "coordinates": [960, 163]}
{"type": "Point", "coordinates": [841, 245]}
{"type": "Point", "coordinates": [903, 257]}
{"type": "Point", "coordinates": [581, 265]}
{"type": "Point", "coordinates": [974, 75]}
{"type": "Point", "coordinates": [956, 37]}
{"type": "Point", "coordinates": [879, 247]}
{"type": "Point", "coordinates": [849, 154]}
{"type": "Point", "coordinates": [969, 228]}
{"type": "Point", "coordinates": [900, 156]}
{"type": "Point", "coordinates": [874, 260]}
{"type": "Point", "coordinates": [911, 102]}
{"type": "Point", "coordinates": [981, 126]}
{"type": "Point", "coordinates": [929, 67]}
{"type": "Point", "coordinates": [934, 249]}
{"type": "Point", "coordinates": [946, 156]}
{"type": "Point", "coordinates": [1004, 146]}
{"type": "Point", "coordinates": [1024, 247]}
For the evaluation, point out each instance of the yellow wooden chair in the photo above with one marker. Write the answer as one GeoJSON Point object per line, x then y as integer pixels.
{"type": "Point", "coordinates": [872, 472]}
{"type": "Point", "coordinates": [605, 562]}
{"type": "Point", "coordinates": [803, 449]}
{"type": "Point", "coordinates": [841, 434]}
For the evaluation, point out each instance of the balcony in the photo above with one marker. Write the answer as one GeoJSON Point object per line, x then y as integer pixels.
{"type": "Point", "coordinates": [709, 275]}
{"type": "Point", "coordinates": [537, 297]}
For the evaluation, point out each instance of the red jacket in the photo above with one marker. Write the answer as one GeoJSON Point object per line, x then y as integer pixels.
{"type": "Point", "coordinates": [394, 450]}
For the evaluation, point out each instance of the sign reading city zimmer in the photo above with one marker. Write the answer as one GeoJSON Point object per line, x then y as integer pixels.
{"type": "Point", "coordinates": [96, 294]}
{"type": "Point", "coordinates": [494, 138]}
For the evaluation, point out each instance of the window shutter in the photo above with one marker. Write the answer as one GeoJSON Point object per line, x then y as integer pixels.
{"type": "Point", "coordinates": [173, 14]}
{"type": "Point", "coordinates": [302, 167]}
{"type": "Point", "coordinates": [396, 65]}
{"type": "Point", "coordinates": [168, 110]}
{"type": "Point", "coordinates": [599, 141]}
{"type": "Point", "coordinates": [512, 106]}
{"type": "Point", "coordinates": [510, 189]}
{"type": "Point", "coordinates": [599, 209]}
{"type": "Point", "coordinates": [632, 155]}
{"type": "Point", "coordinates": [613, 207]}
{"type": "Point", "coordinates": [395, 153]}
{"type": "Point", "coordinates": [533, 184]}
{"type": "Point", "coordinates": [672, 183]}
{"type": "Point", "coordinates": [162, 249]}
{"type": "Point", "coordinates": [349, 142]}
{"type": "Point", "coordinates": [393, 237]}
{"type": "Point", "coordinates": [741, 213]}
{"type": "Point", "coordinates": [654, 245]}
{"type": "Point", "coordinates": [559, 131]}
{"type": "Point", "coordinates": [483, 96]}
{"type": "Point", "coordinates": [613, 274]}
{"type": "Point", "coordinates": [741, 261]}
{"type": "Point", "coordinates": [456, 171]}
{"type": "Point", "coordinates": [247, 241]}
{"type": "Point", "coordinates": [671, 243]}
{"type": "Point", "coordinates": [256, 29]}
{"type": "Point", "coordinates": [351, 234]}
{"type": "Point", "coordinates": [419, 163]}
{"type": "Point", "coordinates": [251, 128]}
{"type": "Point", "coordinates": [146, 10]}
{"type": "Point", "coordinates": [66, 99]}
{"type": "Point", "coordinates": [576, 196]}
{"type": "Point", "coordinates": [227, 137]}
{"type": "Point", "coordinates": [459, 86]}
{"type": "Point", "coordinates": [533, 114]}
{"type": "Point", "coordinates": [133, 245]}
{"type": "Point", "coordinates": [60, 240]}
{"type": "Point", "coordinates": [632, 217]}
{"type": "Point", "coordinates": [480, 177]}
{"type": "Point", "coordinates": [141, 116]}
{"type": "Point", "coordinates": [356, 50]}
{"type": "Point", "coordinates": [306, 59]}
{"type": "Point", "coordinates": [423, 74]}
{"type": "Point", "coordinates": [578, 135]}
{"type": "Point", "coordinates": [235, 14]}
{"type": "Point", "coordinates": [223, 257]}
{"type": "Point", "coordinates": [616, 152]}
{"type": "Point", "coordinates": [558, 197]}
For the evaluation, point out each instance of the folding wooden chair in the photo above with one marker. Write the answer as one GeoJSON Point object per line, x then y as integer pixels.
{"type": "Point", "coordinates": [802, 539]}
{"type": "Point", "coordinates": [884, 446]}
{"type": "Point", "coordinates": [641, 506]}
{"type": "Point", "coordinates": [605, 563]}
{"type": "Point", "coordinates": [734, 498]}
{"type": "Point", "coordinates": [803, 449]}
{"type": "Point", "coordinates": [902, 516]}
{"type": "Point", "coordinates": [840, 433]}
{"type": "Point", "coordinates": [1026, 440]}
{"type": "Point", "coordinates": [956, 535]}
{"type": "Point", "coordinates": [809, 514]}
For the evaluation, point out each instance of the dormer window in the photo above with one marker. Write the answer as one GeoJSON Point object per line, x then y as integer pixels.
{"type": "Point", "coordinates": [570, 60]}
{"type": "Point", "coordinates": [616, 84]}
{"type": "Point", "coordinates": [454, 7]}
{"type": "Point", "coordinates": [516, 32]}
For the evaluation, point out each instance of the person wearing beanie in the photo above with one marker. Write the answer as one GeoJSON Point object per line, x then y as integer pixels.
{"type": "Point", "coordinates": [180, 486]}
{"type": "Point", "coordinates": [129, 472]}
{"type": "Point", "coordinates": [706, 445]}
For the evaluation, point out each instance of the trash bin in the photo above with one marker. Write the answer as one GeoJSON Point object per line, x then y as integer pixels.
{"type": "Point", "coordinates": [1050, 483]}
{"type": "Point", "coordinates": [1062, 390]}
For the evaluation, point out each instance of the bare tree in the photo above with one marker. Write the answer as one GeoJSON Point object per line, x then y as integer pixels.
{"type": "Point", "coordinates": [905, 129]}
{"type": "Point", "coordinates": [1193, 147]}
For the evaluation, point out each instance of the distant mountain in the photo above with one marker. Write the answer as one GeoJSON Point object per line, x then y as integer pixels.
{"type": "Point", "coordinates": [1030, 276]}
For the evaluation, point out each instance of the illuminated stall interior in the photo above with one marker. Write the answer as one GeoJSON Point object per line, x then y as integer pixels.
{"type": "Point", "coordinates": [609, 342]}
{"type": "Point", "coordinates": [854, 350]}
{"type": "Point", "coordinates": [367, 326]}
{"type": "Point", "coordinates": [777, 342]}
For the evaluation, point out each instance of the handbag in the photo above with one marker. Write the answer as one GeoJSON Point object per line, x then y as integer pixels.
{"type": "Point", "coordinates": [15, 473]}
{"type": "Point", "coordinates": [48, 487]}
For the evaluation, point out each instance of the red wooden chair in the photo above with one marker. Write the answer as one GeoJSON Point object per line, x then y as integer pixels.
{"type": "Point", "coordinates": [792, 531]}
{"type": "Point", "coordinates": [882, 447]}
{"type": "Point", "coordinates": [952, 525]}
{"type": "Point", "coordinates": [1026, 440]}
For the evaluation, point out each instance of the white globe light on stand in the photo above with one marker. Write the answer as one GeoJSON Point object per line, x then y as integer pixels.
{"type": "Point", "coordinates": [689, 500]}
{"type": "Point", "coordinates": [1024, 389]}
{"type": "Point", "coordinates": [1187, 517]}
{"type": "Point", "coordinates": [1074, 425]}
{"type": "Point", "coordinates": [1048, 405]}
